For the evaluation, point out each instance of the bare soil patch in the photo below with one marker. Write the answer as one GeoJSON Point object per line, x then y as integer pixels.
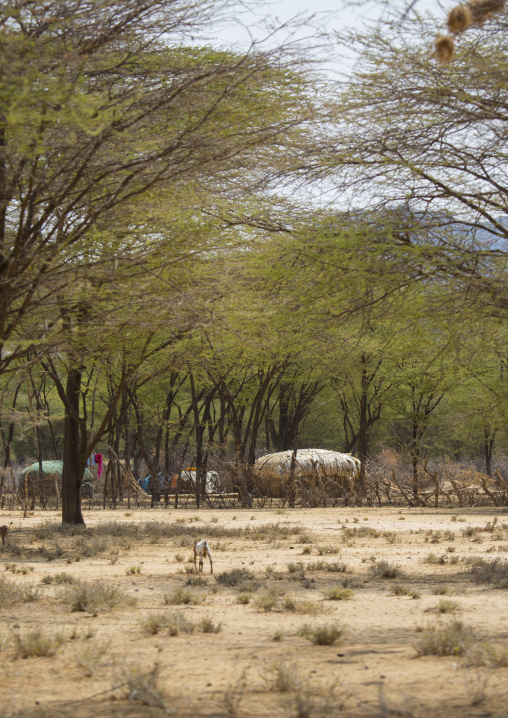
{"type": "Point", "coordinates": [311, 612]}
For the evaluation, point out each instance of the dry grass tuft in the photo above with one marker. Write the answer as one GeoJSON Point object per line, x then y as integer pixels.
{"type": "Point", "coordinates": [325, 635]}
{"type": "Point", "coordinates": [282, 676]}
{"type": "Point", "coordinates": [454, 639]}
{"type": "Point", "coordinates": [171, 623]}
{"type": "Point", "coordinates": [234, 577]}
{"type": "Point", "coordinates": [93, 597]}
{"type": "Point", "coordinates": [36, 644]}
{"type": "Point", "coordinates": [383, 569]}
{"type": "Point", "coordinates": [494, 572]}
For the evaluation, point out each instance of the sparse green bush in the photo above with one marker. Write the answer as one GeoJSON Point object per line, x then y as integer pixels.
{"type": "Point", "coordinates": [58, 578]}
{"type": "Point", "coordinates": [325, 635]}
{"type": "Point", "coordinates": [447, 606]}
{"type": "Point", "coordinates": [339, 594]}
{"type": "Point", "coordinates": [391, 536]}
{"type": "Point", "coordinates": [133, 570]}
{"type": "Point", "coordinates": [172, 623]}
{"type": "Point", "coordinates": [292, 605]}
{"type": "Point", "coordinates": [454, 639]}
{"type": "Point", "coordinates": [36, 644]}
{"type": "Point", "coordinates": [206, 625]}
{"type": "Point", "coordinates": [267, 601]}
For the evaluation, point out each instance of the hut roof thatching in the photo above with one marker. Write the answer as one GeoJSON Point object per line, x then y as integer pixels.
{"type": "Point", "coordinates": [330, 463]}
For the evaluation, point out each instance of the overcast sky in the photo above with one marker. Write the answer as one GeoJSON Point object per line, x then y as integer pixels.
{"type": "Point", "coordinates": [333, 14]}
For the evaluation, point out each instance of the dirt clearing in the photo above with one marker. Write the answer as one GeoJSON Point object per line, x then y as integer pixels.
{"type": "Point", "coordinates": [316, 612]}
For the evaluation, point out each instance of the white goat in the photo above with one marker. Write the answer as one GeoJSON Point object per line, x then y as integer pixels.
{"type": "Point", "coordinates": [201, 549]}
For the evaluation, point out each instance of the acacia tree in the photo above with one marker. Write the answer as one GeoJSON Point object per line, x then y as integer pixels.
{"type": "Point", "coordinates": [101, 104]}
{"type": "Point", "coordinates": [423, 147]}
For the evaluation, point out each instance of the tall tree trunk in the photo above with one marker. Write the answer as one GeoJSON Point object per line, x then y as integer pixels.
{"type": "Point", "coordinates": [363, 448]}
{"type": "Point", "coordinates": [489, 436]}
{"type": "Point", "coordinates": [73, 461]}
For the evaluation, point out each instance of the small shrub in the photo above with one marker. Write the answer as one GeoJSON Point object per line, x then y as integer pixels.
{"type": "Point", "coordinates": [154, 623]}
{"type": "Point", "coordinates": [35, 644]}
{"type": "Point", "coordinates": [325, 635]}
{"type": "Point", "coordinates": [383, 569]}
{"type": "Point", "coordinates": [89, 658]}
{"type": "Point", "coordinates": [440, 590]}
{"type": "Point", "coordinates": [171, 623]}
{"type": "Point", "coordinates": [29, 594]}
{"type": "Point", "coordinates": [93, 597]}
{"type": "Point", "coordinates": [391, 536]}
{"type": "Point", "coordinates": [337, 567]}
{"type": "Point", "coordinates": [208, 626]}
{"type": "Point", "coordinates": [58, 578]}
{"type": "Point", "coordinates": [291, 605]}
{"type": "Point", "coordinates": [267, 601]}
{"type": "Point", "coordinates": [282, 677]}
{"type": "Point", "coordinates": [339, 594]}
{"type": "Point", "coordinates": [179, 558]}
{"type": "Point", "coordinates": [399, 589]}
{"type": "Point", "coordinates": [493, 571]}
{"type": "Point", "coordinates": [488, 654]}
{"type": "Point", "coordinates": [434, 559]}
{"type": "Point", "coordinates": [470, 531]}
{"type": "Point", "coordinates": [133, 570]}
{"type": "Point", "coordinates": [88, 546]}
{"type": "Point", "coordinates": [196, 580]}
{"type": "Point", "coordinates": [234, 577]}
{"type": "Point", "coordinates": [455, 639]}
{"type": "Point", "coordinates": [243, 599]}
{"type": "Point", "coordinates": [183, 597]}
{"type": "Point", "coordinates": [447, 606]}
{"type": "Point", "coordinates": [328, 550]}
{"type": "Point", "coordinates": [360, 532]}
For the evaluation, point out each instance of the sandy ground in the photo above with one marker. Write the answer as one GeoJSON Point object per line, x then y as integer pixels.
{"type": "Point", "coordinates": [260, 662]}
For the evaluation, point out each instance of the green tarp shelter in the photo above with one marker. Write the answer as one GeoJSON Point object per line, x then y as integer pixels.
{"type": "Point", "coordinates": [50, 467]}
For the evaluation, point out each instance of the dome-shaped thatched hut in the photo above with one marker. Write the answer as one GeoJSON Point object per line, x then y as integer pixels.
{"type": "Point", "coordinates": [334, 473]}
